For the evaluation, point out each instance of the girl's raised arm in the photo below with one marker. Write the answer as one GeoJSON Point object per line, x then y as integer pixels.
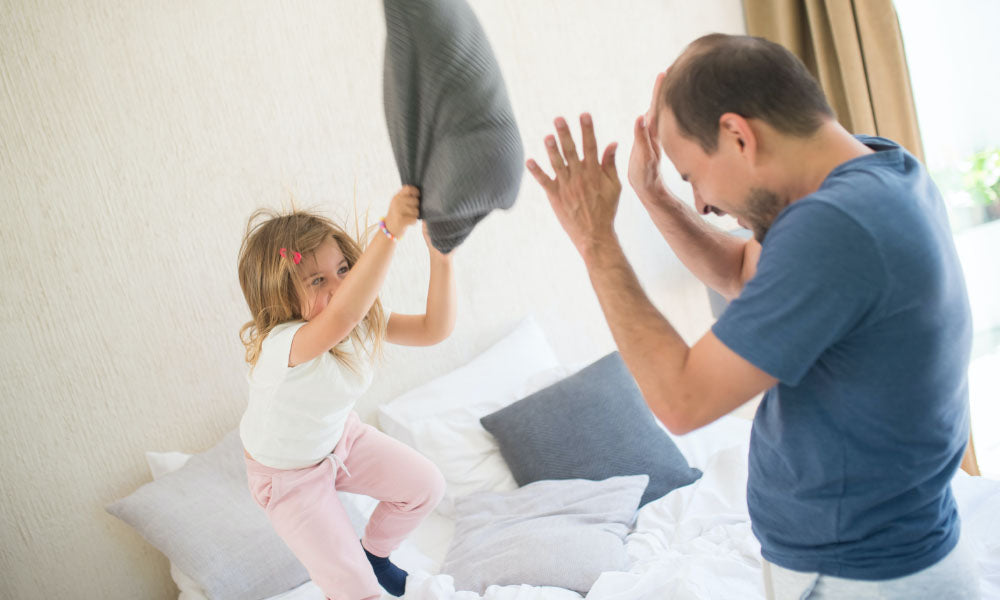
{"type": "Point", "coordinates": [437, 323]}
{"type": "Point", "coordinates": [332, 316]}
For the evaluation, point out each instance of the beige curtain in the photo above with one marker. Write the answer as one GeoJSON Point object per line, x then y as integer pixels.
{"type": "Point", "coordinates": [855, 49]}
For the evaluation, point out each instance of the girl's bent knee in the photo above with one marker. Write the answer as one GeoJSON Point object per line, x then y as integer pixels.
{"type": "Point", "coordinates": [436, 488]}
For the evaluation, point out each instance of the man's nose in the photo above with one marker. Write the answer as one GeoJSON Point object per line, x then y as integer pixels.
{"type": "Point", "coordinates": [702, 207]}
{"type": "Point", "coordinates": [705, 208]}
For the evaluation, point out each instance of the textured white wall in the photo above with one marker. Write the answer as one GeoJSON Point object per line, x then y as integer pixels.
{"type": "Point", "coordinates": [135, 139]}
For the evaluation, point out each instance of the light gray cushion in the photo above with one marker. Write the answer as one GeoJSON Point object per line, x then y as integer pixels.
{"type": "Point", "coordinates": [592, 425]}
{"type": "Point", "coordinates": [204, 520]}
{"type": "Point", "coordinates": [450, 122]}
{"type": "Point", "coordinates": [557, 533]}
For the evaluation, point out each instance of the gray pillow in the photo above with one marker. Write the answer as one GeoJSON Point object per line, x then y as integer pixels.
{"type": "Point", "coordinates": [450, 122]}
{"type": "Point", "coordinates": [592, 425]}
{"type": "Point", "coordinates": [204, 520]}
{"type": "Point", "coordinates": [556, 533]}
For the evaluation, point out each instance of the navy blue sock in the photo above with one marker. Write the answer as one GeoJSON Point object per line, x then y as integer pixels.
{"type": "Point", "coordinates": [390, 577]}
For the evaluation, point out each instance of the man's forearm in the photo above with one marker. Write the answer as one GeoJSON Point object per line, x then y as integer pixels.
{"type": "Point", "coordinates": [651, 348]}
{"type": "Point", "coordinates": [713, 256]}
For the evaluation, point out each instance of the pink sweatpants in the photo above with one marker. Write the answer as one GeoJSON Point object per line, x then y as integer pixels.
{"type": "Point", "coordinates": [303, 507]}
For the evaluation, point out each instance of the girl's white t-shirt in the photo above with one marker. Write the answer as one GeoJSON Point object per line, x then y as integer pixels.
{"type": "Point", "coordinates": [296, 415]}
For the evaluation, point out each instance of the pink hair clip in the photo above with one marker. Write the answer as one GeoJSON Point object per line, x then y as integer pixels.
{"type": "Point", "coordinates": [296, 256]}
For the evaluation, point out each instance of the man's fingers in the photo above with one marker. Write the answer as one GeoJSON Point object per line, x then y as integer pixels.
{"type": "Point", "coordinates": [554, 157]}
{"type": "Point", "coordinates": [540, 176]}
{"type": "Point", "coordinates": [566, 141]}
{"type": "Point", "coordinates": [641, 133]}
{"type": "Point", "coordinates": [589, 140]}
{"type": "Point", "coordinates": [608, 162]}
{"type": "Point", "coordinates": [652, 115]}
{"type": "Point", "coordinates": [644, 136]}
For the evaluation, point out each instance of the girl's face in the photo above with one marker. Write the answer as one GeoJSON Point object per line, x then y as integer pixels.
{"type": "Point", "coordinates": [321, 274]}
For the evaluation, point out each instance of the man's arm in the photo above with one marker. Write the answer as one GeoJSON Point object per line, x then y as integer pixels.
{"type": "Point", "coordinates": [721, 261]}
{"type": "Point", "coordinates": [684, 387]}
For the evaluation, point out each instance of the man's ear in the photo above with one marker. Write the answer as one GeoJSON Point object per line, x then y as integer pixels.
{"type": "Point", "coordinates": [736, 132]}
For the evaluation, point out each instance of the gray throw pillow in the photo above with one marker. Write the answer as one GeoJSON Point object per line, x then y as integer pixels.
{"type": "Point", "coordinates": [592, 425]}
{"type": "Point", "coordinates": [450, 122]}
{"type": "Point", "coordinates": [204, 520]}
{"type": "Point", "coordinates": [555, 533]}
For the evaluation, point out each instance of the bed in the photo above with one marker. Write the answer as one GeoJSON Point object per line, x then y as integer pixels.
{"type": "Point", "coordinates": [693, 542]}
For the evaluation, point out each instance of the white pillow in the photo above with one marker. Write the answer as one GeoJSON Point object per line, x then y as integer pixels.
{"type": "Point", "coordinates": [359, 508]}
{"type": "Point", "coordinates": [440, 419]}
{"type": "Point", "coordinates": [561, 533]}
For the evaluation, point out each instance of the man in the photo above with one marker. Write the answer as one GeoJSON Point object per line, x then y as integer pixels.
{"type": "Point", "coordinates": [849, 309]}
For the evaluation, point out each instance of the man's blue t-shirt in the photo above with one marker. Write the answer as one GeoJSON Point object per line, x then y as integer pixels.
{"type": "Point", "coordinates": [859, 309]}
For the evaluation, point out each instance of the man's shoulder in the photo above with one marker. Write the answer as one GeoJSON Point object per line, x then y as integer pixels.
{"type": "Point", "coordinates": [821, 221]}
{"type": "Point", "coordinates": [877, 198]}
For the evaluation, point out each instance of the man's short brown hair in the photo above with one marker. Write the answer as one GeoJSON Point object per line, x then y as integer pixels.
{"type": "Point", "coordinates": [749, 76]}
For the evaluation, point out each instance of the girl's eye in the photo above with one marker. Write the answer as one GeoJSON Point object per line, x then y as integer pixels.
{"type": "Point", "coordinates": [343, 271]}
{"type": "Point", "coordinates": [317, 281]}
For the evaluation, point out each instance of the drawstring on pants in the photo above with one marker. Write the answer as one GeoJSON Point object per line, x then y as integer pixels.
{"type": "Point", "coordinates": [338, 463]}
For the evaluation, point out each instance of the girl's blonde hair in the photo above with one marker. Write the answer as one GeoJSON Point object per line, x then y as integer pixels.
{"type": "Point", "coordinates": [271, 283]}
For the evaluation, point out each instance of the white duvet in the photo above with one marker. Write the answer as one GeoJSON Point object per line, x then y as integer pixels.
{"type": "Point", "coordinates": [693, 544]}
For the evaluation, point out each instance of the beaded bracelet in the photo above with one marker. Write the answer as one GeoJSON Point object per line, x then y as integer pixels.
{"type": "Point", "coordinates": [385, 230]}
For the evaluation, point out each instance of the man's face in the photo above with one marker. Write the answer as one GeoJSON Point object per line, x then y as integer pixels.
{"type": "Point", "coordinates": [722, 181]}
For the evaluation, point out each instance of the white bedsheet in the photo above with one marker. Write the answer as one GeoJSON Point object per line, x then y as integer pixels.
{"type": "Point", "coordinates": [693, 544]}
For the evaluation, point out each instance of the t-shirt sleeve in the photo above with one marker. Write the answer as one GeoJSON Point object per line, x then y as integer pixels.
{"type": "Point", "coordinates": [272, 364]}
{"type": "Point", "coordinates": [819, 276]}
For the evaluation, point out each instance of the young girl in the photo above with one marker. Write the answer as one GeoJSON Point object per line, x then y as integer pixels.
{"type": "Point", "coordinates": [317, 323]}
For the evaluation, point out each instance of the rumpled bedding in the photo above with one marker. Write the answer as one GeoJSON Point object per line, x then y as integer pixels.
{"type": "Point", "coordinates": [695, 543]}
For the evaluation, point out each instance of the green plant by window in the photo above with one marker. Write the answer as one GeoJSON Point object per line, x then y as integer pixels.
{"type": "Point", "coordinates": [982, 176]}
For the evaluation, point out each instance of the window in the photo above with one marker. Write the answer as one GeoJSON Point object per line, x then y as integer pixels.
{"type": "Point", "coordinates": [951, 49]}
